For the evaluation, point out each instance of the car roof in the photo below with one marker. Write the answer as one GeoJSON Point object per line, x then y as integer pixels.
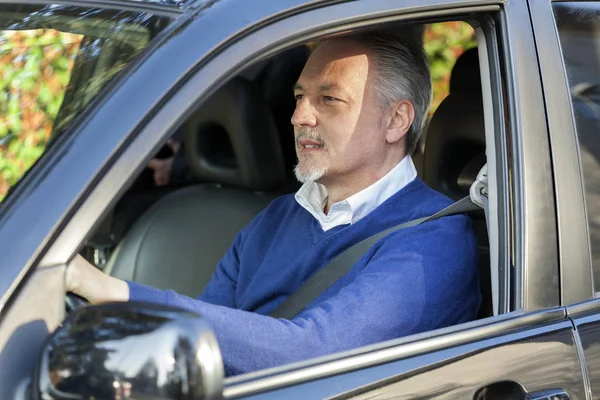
{"type": "Point", "coordinates": [170, 3]}
{"type": "Point", "coordinates": [174, 3]}
{"type": "Point", "coordinates": [182, 4]}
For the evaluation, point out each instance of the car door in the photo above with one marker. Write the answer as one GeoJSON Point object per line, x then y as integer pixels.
{"type": "Point", "coordinates": [571, 72]}
{"type": "Point", "coordinates": [528, 348]}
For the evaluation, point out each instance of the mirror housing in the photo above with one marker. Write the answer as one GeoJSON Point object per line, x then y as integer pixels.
{"type": "Point", "coordinates": [127, 351]}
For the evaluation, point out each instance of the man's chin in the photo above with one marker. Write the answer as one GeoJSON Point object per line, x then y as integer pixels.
{"type": "Point", "coordinates": [304, 175]}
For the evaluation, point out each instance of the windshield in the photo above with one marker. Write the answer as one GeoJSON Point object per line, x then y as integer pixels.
{"type": "Point", "coordinates": [54, 60]}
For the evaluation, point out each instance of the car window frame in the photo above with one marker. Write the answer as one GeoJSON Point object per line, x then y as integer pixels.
{"type": "Point", "coordinates": [147, 134]}
{"type": "Point", "coordinates": [576, 276]}
{"type": "Point", "coordinates": [218, 72]}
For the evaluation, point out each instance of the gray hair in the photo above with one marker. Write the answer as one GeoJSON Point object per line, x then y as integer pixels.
{"type": "Point", "coordinates": [402, 73]}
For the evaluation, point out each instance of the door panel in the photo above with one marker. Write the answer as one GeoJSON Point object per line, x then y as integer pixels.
{"type": "Point", "coordinates": [588, 327]}
{"type": "Point", "coordinates": [532, 361]}
{"type": "Point", "coordinates": [534, 365]}
{"type": "Point", "coordinates": [35, 312]}
{"type": "Point", "coordinates": [568, 75]}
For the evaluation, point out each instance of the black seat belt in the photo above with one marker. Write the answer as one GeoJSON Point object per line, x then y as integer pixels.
{"type": "Point", "coordinates": [339, 266]}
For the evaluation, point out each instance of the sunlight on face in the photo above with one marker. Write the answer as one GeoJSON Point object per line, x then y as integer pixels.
{"type": "Point", "coordinates": [306, 170]}
{"type": "Point", "coordinates": [336, 117]}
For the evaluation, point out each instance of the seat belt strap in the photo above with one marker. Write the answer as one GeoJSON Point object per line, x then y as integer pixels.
{"type": "Point", "coordinates": [339, 266]}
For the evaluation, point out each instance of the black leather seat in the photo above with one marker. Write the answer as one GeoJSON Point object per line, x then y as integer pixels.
{"type": "Point", "coordinates": [455, 141]}
{"type": "Point", "coordinates": [455, 153]}
{"type": "Point", "coordinates": [232, 145]}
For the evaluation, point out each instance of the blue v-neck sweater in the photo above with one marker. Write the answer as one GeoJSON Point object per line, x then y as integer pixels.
{"type": "Point", "coordinates": [413, 280]}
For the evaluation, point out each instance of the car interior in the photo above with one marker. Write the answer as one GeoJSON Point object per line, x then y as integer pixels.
{"type": "Point", "coordinates": [239, 150]}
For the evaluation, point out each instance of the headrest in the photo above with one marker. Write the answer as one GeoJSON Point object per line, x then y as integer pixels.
{"type": "Point", "coordinates": [465, 73]}
{"type": "Point", "coordinates": [232, 139]}
{"type": "Point", "coordinates": [455, 142]}
{"type": "Point", "coordinates": [275, 81]}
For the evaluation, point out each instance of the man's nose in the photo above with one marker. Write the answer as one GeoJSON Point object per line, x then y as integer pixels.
{"type": "Point", "coordinates": [304, 114]}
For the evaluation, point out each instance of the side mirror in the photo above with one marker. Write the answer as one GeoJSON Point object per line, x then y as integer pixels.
{"type": "Point", "coordinates": [130, 351]}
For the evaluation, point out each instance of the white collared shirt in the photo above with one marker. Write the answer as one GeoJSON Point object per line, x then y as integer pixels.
{"type": "Point", "coordinates": [312, 197]}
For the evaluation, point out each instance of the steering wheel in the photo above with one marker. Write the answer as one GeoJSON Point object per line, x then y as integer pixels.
{"type": "Point", "coordinates": [74, 301]}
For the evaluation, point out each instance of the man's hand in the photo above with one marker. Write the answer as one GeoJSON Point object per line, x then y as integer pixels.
{"type": "Point", "coordinates": [162, 170]}
{"type": "Point", "coordinates": [162, 167]}
{"type": "Point", "coordinates": [92, 284]}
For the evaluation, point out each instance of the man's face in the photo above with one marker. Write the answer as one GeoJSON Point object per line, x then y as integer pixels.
{"type": "Point", "coordinates": [340, 134]}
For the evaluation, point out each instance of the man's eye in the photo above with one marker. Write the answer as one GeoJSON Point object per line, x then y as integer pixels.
{"type": "Point", "coordinates": [329, 98]}
{"type": "Point", "coordinates": [298, 97]}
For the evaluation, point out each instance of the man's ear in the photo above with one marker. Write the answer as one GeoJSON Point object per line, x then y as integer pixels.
{"type": "Point", "coordinates": [403, 115]}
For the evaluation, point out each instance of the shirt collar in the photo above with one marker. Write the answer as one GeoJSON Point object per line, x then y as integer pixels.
{"type": "Point", "coordinates": [312, 197]}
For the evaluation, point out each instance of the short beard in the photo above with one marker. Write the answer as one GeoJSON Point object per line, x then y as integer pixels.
{"type": "Point", "coordinates": [310, 176]}
{"type": "Point", "coordinates": [316, 173]}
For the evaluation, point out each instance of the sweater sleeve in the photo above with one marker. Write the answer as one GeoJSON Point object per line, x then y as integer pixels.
{"type": "Point", "coordinates": [405, 288]}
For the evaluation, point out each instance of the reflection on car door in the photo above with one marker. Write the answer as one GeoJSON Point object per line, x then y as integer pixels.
{"type": "Point", "coordinates": [507, 363]}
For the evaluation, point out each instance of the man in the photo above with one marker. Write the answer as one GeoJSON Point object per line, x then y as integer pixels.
{"type": "Point", "coordinates": [171, 170]}
{"type": "Point", "coordinates": [361, 102]}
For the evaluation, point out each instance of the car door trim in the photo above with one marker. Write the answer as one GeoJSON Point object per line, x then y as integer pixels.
{"type": "Point", "coordinates": [499, 328]}
{"type": "Point", "coordinates": [584, 309]}
{"type": "Point", "coordinates": [575, 262]}
{"type": "Point", "coordinates": [535, 254]}
{"type": "Point", "coordinates": [587, 312]}
{"type": "Point", "coordinates": [587, 384]}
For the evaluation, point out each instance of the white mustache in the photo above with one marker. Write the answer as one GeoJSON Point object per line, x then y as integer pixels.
{"type": "Point", "coordinates": [311, 135]}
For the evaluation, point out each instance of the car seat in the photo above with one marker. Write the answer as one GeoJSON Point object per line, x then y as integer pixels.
{"type": "Point", "coordinates": [454, 153]}
{"type": "Point", "coordinates": [276, 81]}
{"type": "Point", "coordinates": [233, 147]}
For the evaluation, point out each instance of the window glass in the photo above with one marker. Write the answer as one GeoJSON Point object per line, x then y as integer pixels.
{"type": "Point", "coordinates": [54, 60]}
{"type": "Point", "coordinates": [444, 43]}
{"type": "Point", "coordinates": [579, 32]}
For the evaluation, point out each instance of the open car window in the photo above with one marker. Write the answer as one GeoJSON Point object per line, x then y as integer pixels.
{"type": "Point", "coordinates": [55, 60]}
{"type": "Point", "coordinates": [135, 241]}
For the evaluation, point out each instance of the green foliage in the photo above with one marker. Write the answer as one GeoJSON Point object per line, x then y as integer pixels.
{"type": "Point", "coordinates": [444, 43]}
{"type": "Point", "coordinates": [35, 69]}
